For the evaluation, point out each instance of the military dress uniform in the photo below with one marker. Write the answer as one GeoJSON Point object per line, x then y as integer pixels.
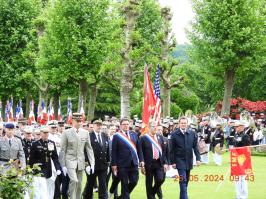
{"type": "Point", "coordinates": [72, 158]}
{"type": "Point", "coordinates": [11, 149]}
{"type": "Point", "coordinates": [100, 145]}
{"type": "Point", "coordinates": [206, 135]}
{"type": "Point", "coordinates": [26, 147]}
{"type": "Point", "coordinates": [218, 138]}
{"type": "Point", "coordinates": [240, 140]}
{"type": "Point", "coordinates": [42, 153]}
{"type": "Point", "coordinates": [231, 137]}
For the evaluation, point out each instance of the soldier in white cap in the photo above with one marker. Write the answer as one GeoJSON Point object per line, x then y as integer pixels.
{"type": "Point", "coordinates": [42, 153]}
{"type": "Point", "coordinates": [241, 139]}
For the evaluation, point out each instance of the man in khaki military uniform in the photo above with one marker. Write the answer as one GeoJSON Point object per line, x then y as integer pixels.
{"type": "Point", "coordinates": [11, 148]}
{"type": "Point", "coordinates": [72, 157]}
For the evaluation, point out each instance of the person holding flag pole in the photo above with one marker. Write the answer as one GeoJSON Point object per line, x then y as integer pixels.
{"type": "Point", "coordinates": [237, 161]}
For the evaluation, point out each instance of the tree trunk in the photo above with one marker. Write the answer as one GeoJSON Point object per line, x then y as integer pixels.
{"type": "Point", "coordinates": [125, 91]}
{"type": "Point", "coordinates": [27, 105]}
{"type": "Point", "coordinates": [4, 99]}
{"type": "Point", "coordinates": [166, 101]}
{"type": "Point", "coordinates": [92, 102]}
{"type": "Point", "coordinates": [126, 83]}
{"type": "Point", "coordinates": [167, 17]}
{"type": "Point", "coordinates": [83, 90]}
{"type": "Point", "coordinates": [56, 104]}
{"type": "Point", "coordinates": [228, 88]}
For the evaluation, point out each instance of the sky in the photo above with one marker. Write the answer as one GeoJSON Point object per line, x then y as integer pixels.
{"type": "Point", "coordinates": [182, 15]}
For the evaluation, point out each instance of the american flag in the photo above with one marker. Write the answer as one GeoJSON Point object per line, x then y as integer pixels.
{"type": "Point", "coordinates": [157, 96]}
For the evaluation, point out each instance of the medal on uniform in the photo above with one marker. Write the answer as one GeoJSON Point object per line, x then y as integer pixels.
{"type": "Point", "coordinates": [50, 146]}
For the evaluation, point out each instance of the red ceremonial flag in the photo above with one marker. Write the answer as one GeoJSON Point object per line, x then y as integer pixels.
{"type": "Point", "coordinates": [149, 101]}
{"type": "Point", "coordinates": [240, 161]}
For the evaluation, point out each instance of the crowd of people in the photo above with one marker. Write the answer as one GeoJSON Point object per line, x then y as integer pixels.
{"type": "Point", "coordinates": [113, 151]}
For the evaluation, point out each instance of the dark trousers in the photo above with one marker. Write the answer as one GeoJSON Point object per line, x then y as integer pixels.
{"type": "Point", "coordinates": [58, 181]}
{"type": "Point", "coordinates": [160, 193]}
{"type": "Point", "coordinates": [102, 189]}
{"type": "Point", "coordinates": [114, 185]}
{"type": "Point", "coordinates": [183, 182]}
{"type": "Point", "coordinates": [65, 185]}
{"type": "Point", "coordinates": [154, 172]}
{"type": "Point", "coordinates": [108, 175]}
{"type": "Point", "coordinates": [129, 178]}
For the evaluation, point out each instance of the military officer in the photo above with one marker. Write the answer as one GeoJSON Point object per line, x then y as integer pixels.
{"type": "Point", "coordinates": [27, 142]}
{"type": "Point", "coordinates": [218, 138]}
{"type": "Point", "coordinates": [72, 157]}
{"type": "Point", "coordinates": [206, 135]}
{"type": "Point", "coordinates": [240, 140]}
{"type": "Point", "coordinates": [231, 136]}
{"type": "Point", "coordinates": [11, 148]}
{"type": "Point", "coordinates": [42, 152]}
{"type": "Point", "coordinates": [100, 145]}
{"type": "Point", "coordinates": [55, 136]}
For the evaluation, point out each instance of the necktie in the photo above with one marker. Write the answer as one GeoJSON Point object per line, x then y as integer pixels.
{"type": "Point", "coordinates": [9, 143]}
{"type": "Point", "coordinates": [99, 139]}
{"type": "Point", "coordinates": [155, 153]}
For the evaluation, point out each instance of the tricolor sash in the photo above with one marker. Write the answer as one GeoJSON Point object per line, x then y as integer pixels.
{"type": "Point", "coordinates": [129, 143]}
{"type": "Point", "coordinates": [154, 143]}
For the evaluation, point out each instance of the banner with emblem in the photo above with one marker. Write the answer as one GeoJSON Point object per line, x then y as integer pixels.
{"type": "Point", "coordinates": [240, 161]}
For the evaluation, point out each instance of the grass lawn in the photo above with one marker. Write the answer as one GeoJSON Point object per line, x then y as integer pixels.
{"type": "Point", "coordinates": [202, 189]}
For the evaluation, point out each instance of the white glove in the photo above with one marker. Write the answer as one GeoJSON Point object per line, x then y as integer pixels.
{"type": "Point", "coordinates": [88, 170]}
{"type": "Point", "coordinates": [64, 170]}
{"type": "Point", "coordinates": [58, 172]}
{"type": "Point", "coordinates": [92, 169]}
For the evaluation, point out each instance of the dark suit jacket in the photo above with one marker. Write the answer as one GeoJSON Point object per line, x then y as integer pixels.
{"type": "Point", "coordinates": [122, 155]}
{"type": "Point", "coordinates": [181, 149]}
{"type": "Point", "coordinates": [40, 153]}
{"type": "Point", "coordinates": [101, 153]}
{"type": "Point", "coordinates": [146, 146]}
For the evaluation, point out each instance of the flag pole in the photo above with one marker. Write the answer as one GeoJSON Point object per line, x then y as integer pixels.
{"type": "Point", "coordinates": [251, 146]}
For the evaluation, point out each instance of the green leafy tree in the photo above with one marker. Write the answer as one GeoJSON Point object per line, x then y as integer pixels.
{"type": "Point", "coordinates": [228, 37]}
{"type": "Point", "coordinates": [74, 45]}
{"type": "Point", "coordinates": [17, 39]}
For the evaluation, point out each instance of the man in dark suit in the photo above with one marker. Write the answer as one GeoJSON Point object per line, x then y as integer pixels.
{"type": "Point", "coordinates": [154, 154]}
{"type": "Point", "coordinates": [126, 155]}
{"type": "Point", "coordinates": [100, 146]}
{"type": "Point", "coordinates": [182, 144]}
